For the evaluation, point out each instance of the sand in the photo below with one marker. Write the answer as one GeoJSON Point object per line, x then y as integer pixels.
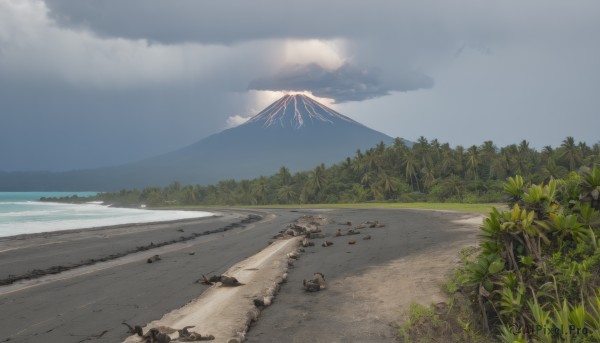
{"type": "Point", "coordinates": [225, 312]}
{"type": "Point", "coordinates": [370, 283]}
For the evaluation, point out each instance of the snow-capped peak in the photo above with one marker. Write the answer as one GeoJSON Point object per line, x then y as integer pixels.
{"type": "Point", "coordinates": [296, 111]}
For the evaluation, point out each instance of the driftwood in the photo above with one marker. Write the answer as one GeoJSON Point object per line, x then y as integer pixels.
{"type": "Point", "coordinates": [370, 224]}
{"type": "Point", "coordinates": [160, 334]}
{"type": "Point", "coordinates": [153, 259]}
{"type": "Point", "coordinates": [307, 226]}
{"type": "Point", "coordinates": [223, 279]}
{"type": "Point", "coordinates": [191, 336]}
{"type": "Point", "coordinates": [155, 336]}
{"type": "Point", "coordinates": [310, 286]}
{"type": "Point", "coordinates": [315, 284]}
{"type": "Point", "coordinates": [307, 243]}
{"type": "Point", "coordinates": [135, 330]}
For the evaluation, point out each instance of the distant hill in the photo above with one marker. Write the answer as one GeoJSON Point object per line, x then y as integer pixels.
{"type": "Point", "coordinates": [295, 131]}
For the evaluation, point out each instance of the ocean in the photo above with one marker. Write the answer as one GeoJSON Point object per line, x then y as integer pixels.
{"type": "Point", "coordinates": [22, 213]}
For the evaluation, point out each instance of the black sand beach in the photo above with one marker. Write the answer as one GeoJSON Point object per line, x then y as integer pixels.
{"type": "Point", "coordinates": [368, 282]}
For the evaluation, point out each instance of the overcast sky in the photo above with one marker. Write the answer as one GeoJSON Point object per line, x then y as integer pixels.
{"type": "Point", "coordinates": [96, 83]}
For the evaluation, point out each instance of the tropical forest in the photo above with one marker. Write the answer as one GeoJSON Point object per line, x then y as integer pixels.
{"type": "Point", "coordinates": [425, 171]}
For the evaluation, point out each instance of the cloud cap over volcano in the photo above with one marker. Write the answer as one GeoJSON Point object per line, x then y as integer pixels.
{"type": "Point", "coordinates": [346, 83]}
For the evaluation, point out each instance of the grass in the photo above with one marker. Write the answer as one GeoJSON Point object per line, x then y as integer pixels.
{"type": "Point", "coordinates": [472, 208]}
{"type": "Point", "coordinates": [453, 324]}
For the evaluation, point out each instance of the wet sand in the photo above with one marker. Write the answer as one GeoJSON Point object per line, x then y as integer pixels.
{"type": "Point", "coordinates": [369, 282]}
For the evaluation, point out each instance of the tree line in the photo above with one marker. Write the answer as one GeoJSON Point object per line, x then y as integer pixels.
{"type": "Point", "coordinates": [425, 171]}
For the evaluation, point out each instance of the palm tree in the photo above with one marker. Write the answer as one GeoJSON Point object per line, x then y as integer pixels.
{"type": "Point", "coordinates": [387, 184]}
{"type": "Point", "coordinates": [594, 156]}
{"type": "Point", "coordinates": [455, 185]}
{"type": "Point", "coordinates": [317, 178]}
{"type": "Point", "coordinates": [410, 164]}
{"type": "Point", "coordinates": [552, 170]}
{"type": "Point", "coordinates": [399, 144]}
{"type": "Point", "coordinates": [359, 167]}
{"type": "Point", "coordinates": [373, 159]}
{"type": "Point", "coordinates": [547, 153]}
{"type": "Point", "coordinates": [367, 178]}
{"type": "Point", "coordinates": [347, 164]}
{"type": "Point", "coordinates": [260, 190]}
{"type": "Point", "coordinates": [286, 194]}
{"type": "Point", "coordinates": [422, 151]}
{"type": "Point", "coordinates": [524, 147]}
{"type": "Point", "coordinates": [525, 158]}
{"type": "Point", "coordinates": [521, 158]}
{"type": "Point", "coordinates": [284, 176]}
{"type": "Point", "coordinates": [498, 169]}
{"type": "Point", "coordinates": [473, 161]}
{"type": "Point", "coordinates": [547, 150]}
{"type": "Point", "coordinates": [429, 179]}
{"type": "Point", "coordinates": [421, 146]}
{"type": "Point", "coordinates": [171, 191]}
{"type": "Point", "coordinates": [446, 161]}
{"type": "Point", "coordinates": [488, 152]}
{"type": "Point", "coordinates": [435, 149]}
{"type": "Point", "coordinates": [227, 192]}
{"type": "Point", "coordinates": [245, 192]}
{"type": "Point", "coordinates": [459, 161]}
{"type": "Point", "coordinates": [188, 195]}
{"type": "Point", "coordinates": [571, 152]}
{"type": "Point", "coordinates": [507, 156]}
{"type": "Point", "coordinates": [584, 149]}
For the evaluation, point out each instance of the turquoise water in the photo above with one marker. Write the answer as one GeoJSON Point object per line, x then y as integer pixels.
{"type": "Point", "coordinates": [22, 213]}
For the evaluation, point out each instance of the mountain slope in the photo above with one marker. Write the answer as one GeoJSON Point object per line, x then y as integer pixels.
{"type": "Point", "coordinates": [295, 131]}
{"type": "Point", "coordinates": [298, 112]}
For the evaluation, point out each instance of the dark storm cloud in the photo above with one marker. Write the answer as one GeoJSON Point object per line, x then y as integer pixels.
{"type": "Point", "coordinates": [346, 83]}
{"type": "Point", "coordinates": [383, 38]}
{"type": "Point", "coordinates": [225, 21]}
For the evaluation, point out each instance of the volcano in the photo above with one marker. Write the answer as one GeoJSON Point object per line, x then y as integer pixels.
{"type": "Point", "coordinates": [295, 131]}
{"type": "Point", "coordinates": [298, 112]}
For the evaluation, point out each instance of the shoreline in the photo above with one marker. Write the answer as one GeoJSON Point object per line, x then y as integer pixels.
{"type": "Point", "coordinates": [93, 303]}
{"type": "Point", "coordinates": [39, 217]}
{"type": "Point", "coordinates": [56, 269]}
{"type": "Point", "coordinates": [47, 234]}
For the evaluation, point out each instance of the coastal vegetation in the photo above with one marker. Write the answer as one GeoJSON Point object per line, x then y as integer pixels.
{"type": "Point", "coordinates": [427, 171]}
{"type": "Point", "coordinates": [444, 206]}
{"type": "Point", "coordinates": [536, 273]}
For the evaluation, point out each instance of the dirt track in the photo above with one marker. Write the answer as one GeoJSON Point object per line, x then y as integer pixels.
{"type": "Point", "coordinates": [371, 283]}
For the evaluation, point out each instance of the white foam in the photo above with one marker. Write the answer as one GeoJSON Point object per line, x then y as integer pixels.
{"type": "Point", "coordinates": [46, 217]}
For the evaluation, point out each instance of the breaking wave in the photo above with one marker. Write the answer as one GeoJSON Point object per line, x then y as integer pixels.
{"type": "Point", "coordinates": [27, 216]}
